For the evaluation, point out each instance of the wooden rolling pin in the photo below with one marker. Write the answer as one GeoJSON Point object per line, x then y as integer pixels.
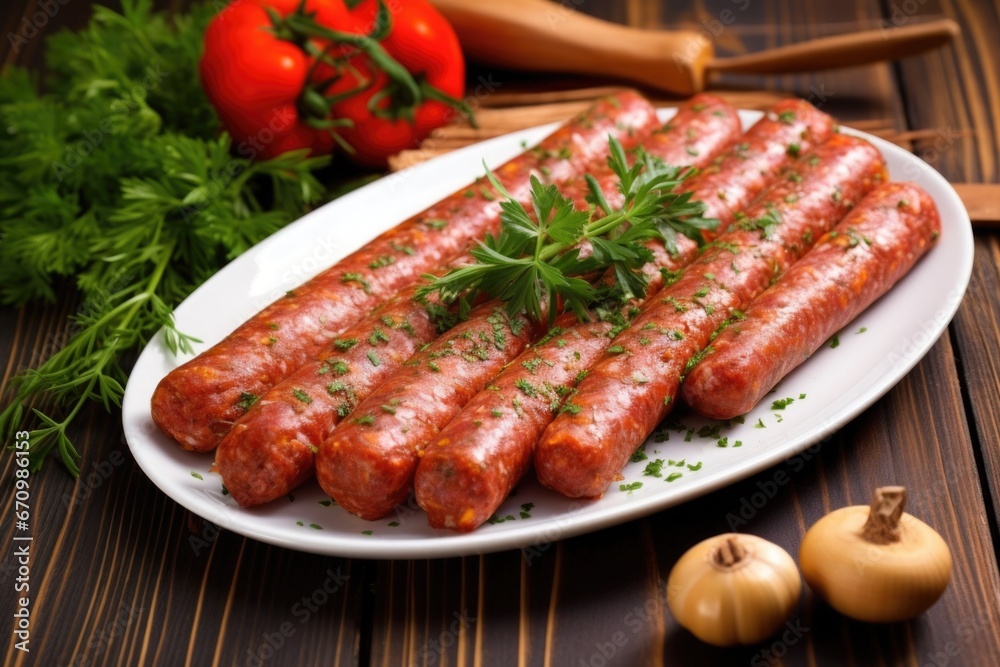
{"type": "Point", "coordinates": [548, 37]}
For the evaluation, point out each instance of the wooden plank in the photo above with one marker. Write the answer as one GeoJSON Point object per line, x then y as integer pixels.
{"type": "Point", "coordinates": [125, 579]}
{"type": "Point", "coordinates": [969, 74]}
{"type": "Point", "coordinates": [977, 334]}
{"type": "Point", "coordinates": [121, 574]}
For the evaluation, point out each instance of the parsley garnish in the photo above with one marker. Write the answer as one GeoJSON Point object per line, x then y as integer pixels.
{"type": "Point", "coordinates": [345, 343]}
{"type": "Point", "coordinates": [654, 468]}
{"type": "Point", "coordinates": [302, 396]}
{"type": "Point", "coordinates": [246, 401]}
{"type": "Point", "coordinates": [630, 487]}
{"type": "Point", "coordinates": [381, 261]}
{"type": "Point", "coordinates": [526, 387]}
{"type": "Point", "coordinates": [696, 359]}
{"type": "Point", "coordinates": [128, 192]}
{"type": "Point", "coordinates": [783, 403]}
{"type": "Point", "coordinates": [530, 262]}
{"type": "Point", "coordinates": [351, 277]}
{"type": "Point", "coordinates": [405, 249]}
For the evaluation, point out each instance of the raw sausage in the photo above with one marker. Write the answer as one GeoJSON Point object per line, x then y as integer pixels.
{"type": "Point", "coordinates": [850, 267]}
{"type": "Point", "coordinates": [633, 386]}
{"type": "Point", "coordinates": [368, 468]}
{"type": "Point", "coordinates": [367, 464]}
{"type": "Point", "coordinates": [478, 458]}
{"type": "Point", "coordinates": [197, 403]}
{"type": "Point", "coordinates": [734, 179]}
{"type": "Point", "coordinates": [477, 461]}
{"type": "Point", "coordinates": [271, 448]}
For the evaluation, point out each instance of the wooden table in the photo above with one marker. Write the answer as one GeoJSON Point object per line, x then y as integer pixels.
{"type": "Point", "coordinates": [123, 575]}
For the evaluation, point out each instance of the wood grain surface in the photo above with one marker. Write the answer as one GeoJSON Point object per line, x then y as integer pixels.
{"type": "Point", "coordinates": [122, 575]}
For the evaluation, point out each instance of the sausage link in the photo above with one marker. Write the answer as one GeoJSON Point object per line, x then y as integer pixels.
{"type": "Point", "coordinates": [271, 449]}
{"type": "Point", "coordinates": [478, 458]}
{"type": "Point", "coordinates": [633, 386]}
{"type": "Point", "coordinates": [731, 181]}
{"type": "Point", "coordinates": [483, 452]}
{"type": "Point", "coordinates": [197, 403]}
{"type": "Point", "coordinates": [874, 246]}
{"type": "Point", "coordinates": [477, 462]}
{"type": "Point", "coordinates": [367, 464]}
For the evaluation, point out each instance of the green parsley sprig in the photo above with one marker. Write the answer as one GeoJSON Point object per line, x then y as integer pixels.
{"type": "Point", "coordinates": [117, 182]}
{"type": "Point", "coordinates": [535, 260]}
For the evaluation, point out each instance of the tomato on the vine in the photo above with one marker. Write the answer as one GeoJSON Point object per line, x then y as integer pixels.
{"type": "Point", "coordinates": [385, 121]}
{"type": "Point", "coordinates": [310, 74]}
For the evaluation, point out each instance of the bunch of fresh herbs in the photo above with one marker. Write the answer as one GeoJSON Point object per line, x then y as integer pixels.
{"type": "Point", "coordinates": [118, 179]}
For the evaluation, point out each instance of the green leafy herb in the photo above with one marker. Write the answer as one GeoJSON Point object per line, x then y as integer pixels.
{"type": "Point", "coordinates": [381, 261]}
{"type": "Point", "coordinates": [351, 277]}
{"type": "Point", "coordinates": [118, 179]}
{"type": "Point", "coordinates": [783, 403]}
{"type": "Point", "coordinates": [535, 260]}
{"type": "Point", "coordinates": [654, 468]}
{"type": "Point", "coordinates": [246, 401]}
{"type": "Point", "coordinates": [345, 343]}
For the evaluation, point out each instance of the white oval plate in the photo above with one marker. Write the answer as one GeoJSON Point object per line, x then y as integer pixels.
{"type": "Point", "coordinates": [837, 383]}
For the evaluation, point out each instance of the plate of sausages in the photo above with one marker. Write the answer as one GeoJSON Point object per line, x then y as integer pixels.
{"type": "Point", "coordinates": [336, 407]}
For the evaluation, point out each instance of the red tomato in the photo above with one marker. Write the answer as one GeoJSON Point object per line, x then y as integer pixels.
{"type": "Point", "coordinates": [285, 76]}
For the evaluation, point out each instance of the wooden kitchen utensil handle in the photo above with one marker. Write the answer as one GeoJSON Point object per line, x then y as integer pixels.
{"type": "Point", "coordinates": [545, 36]}
{"type": "Point", "coordinates": [857, 48]}
{"type": "Point", "coordinates": [548, 37]}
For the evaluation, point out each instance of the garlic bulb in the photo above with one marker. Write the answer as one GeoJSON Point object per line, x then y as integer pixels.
{"type": "Point", "coordinates": [876, 564]}
{"type": "Point", "coordinates": [733, 589]}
